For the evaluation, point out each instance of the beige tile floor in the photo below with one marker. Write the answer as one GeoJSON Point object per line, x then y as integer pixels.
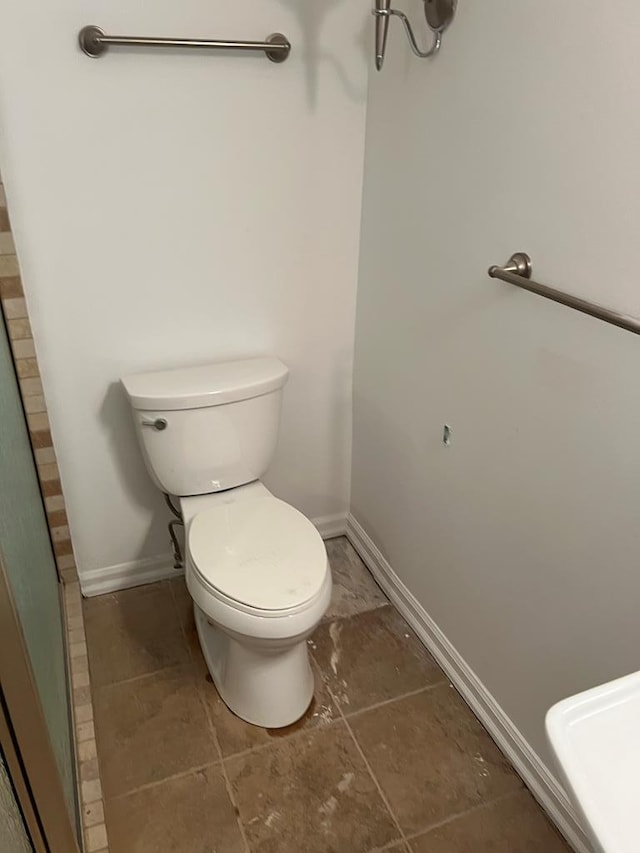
{"type": "Point", "coordinates": [388, 757]}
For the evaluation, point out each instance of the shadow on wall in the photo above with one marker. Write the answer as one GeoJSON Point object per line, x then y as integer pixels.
{"type": "Point", "coordinates": [312, 17]}
{"type": "Point", "coordinates": [382, 431]}
{"type": "Point", "coordinates": [136, 483]}
{"type": "Point", "coordinates": [282, 478]}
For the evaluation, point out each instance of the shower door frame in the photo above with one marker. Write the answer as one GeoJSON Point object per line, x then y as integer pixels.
{"type": "Point", "coordinates": [24, 738]}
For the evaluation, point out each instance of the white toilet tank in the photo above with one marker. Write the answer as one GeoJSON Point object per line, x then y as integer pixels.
{"type": "Point", "coordinates": [208, 428]}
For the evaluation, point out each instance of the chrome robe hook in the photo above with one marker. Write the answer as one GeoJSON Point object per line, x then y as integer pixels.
{"type": "Point", "coordinates": [438, 14]}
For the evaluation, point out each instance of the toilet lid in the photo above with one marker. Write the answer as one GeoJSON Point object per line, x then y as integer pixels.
{"type": "Point", "coordinates": [262, 553]}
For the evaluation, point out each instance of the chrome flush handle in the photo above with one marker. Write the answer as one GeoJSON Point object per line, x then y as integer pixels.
{"type": "Point", "coordinates": [158, 423]}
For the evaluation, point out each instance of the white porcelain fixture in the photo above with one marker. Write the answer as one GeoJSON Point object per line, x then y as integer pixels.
{"type": "Point", "coordinates": [596, 740]}
{"type": "Point", "coordinates": [256, 568]}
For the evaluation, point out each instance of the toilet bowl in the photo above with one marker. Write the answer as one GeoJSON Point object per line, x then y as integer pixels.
{"type": "Point", "coordinates": [258, 573]}
{"type": "Point", "coordinates": [256, 568]}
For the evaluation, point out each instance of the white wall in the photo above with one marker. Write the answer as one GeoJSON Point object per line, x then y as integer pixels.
{"type": "Point", "coordinates": [521, 539]}
{"type": "Point", "coordinates": [174, 208]}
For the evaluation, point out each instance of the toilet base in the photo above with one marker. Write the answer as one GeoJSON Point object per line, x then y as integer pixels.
{"type": "Point", "coordinates": [268, 683]}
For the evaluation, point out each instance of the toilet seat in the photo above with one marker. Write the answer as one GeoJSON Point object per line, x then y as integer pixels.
{"type": "Point", "coordinates": [259, 554]}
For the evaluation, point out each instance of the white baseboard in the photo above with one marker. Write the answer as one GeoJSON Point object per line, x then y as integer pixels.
{"type": "Point", "coordinates": [152, 569]}
{"type": "Point", "coordinates": [526, 761]}
{"type": "Point", "coordinates": [330, 526]}
{"type": "Point", "coordinates": [126, 575]}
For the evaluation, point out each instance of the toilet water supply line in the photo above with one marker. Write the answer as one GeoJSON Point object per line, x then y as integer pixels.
{"type": "Point", "coordinates": [178, 560]}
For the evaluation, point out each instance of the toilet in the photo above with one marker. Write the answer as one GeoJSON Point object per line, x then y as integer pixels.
{"type": "Point", "coordinates": [256, 568]}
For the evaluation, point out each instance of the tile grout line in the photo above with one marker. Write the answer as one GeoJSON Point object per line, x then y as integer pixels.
{"type": "Point", "coordinates": [227, 781]}
{"type": "Point", "coordinates": [385, 702]}
{"type": "Point", "coordinates": [145, 675]}
{"type": "Point", "coordinates": [261, 747]}
{"type": "Point", "coordinates": [212, 729]}
{"type": "Point", "coordinates": [153, 672]}
{"type": "Point", "coordinates": [326, 619]}
{"type": "Point", "coordinates": [477, 808]}
{"type": "Point", "coordinates": [368, 766]}
{"type": "Point", "coordinates": [392, 845]}
{"type": "Point", "coordinates": [181, 775]}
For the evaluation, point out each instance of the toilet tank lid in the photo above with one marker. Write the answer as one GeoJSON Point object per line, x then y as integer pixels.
{"type": "Point", "coordinates": [205, 385]}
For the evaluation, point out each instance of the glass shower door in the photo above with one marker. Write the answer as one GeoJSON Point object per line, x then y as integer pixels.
{"type": "Point", "coordinates": [29, 566]}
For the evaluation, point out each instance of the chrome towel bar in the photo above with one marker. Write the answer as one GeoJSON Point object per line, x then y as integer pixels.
{"type": "Point", "coordinates": [95, 43]}
{"type": "Point", "coordinates": [517, 271]}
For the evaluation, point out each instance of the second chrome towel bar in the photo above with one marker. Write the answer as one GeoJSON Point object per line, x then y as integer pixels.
{"type": "Point", "coordinates": [517, 271]}
{"type": "Point", "coordinates": [95, 43]}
